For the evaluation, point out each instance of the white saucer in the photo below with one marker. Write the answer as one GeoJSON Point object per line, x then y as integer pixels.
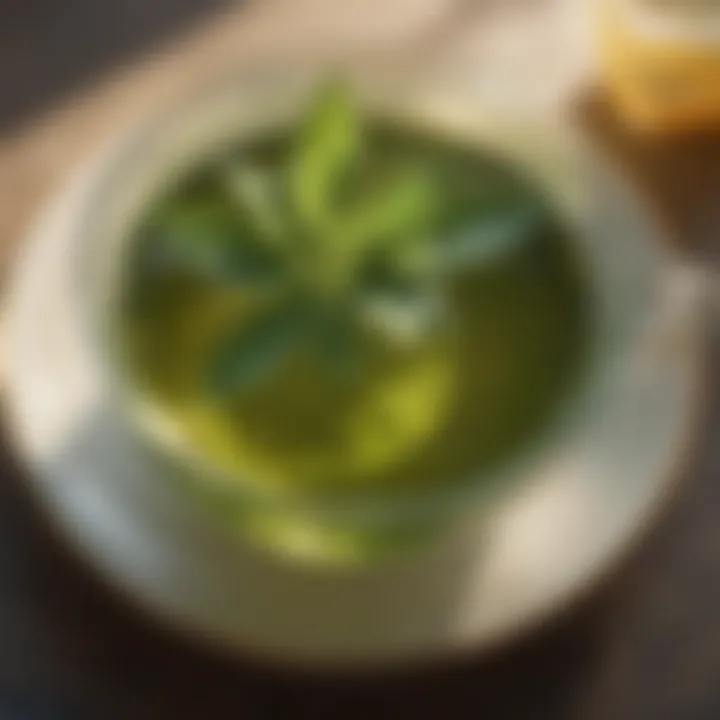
{"type": "Point", "coordinates": [499, 575]}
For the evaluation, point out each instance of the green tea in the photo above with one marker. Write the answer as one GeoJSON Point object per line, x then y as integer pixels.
{"type": "Point", "coordinates": [466, 397]}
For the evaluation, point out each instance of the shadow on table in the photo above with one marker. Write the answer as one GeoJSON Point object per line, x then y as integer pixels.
{"type": "Point", "coordinates": [48, 49]}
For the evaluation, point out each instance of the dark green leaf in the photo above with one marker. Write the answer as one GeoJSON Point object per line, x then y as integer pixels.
{"type": "Point", "coordinates": [327, 145]}
{"type": "Point", "coordinates": [207, 240]}
{"type": "Point", "coordinates": [194, 231]}
{"type": "Point", "coordinates": [252, 352]}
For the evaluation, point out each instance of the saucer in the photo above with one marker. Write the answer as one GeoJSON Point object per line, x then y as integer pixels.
{"type": "Point", "coordinates": [500, 572]}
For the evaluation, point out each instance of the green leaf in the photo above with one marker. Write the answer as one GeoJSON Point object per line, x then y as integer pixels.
{"type": "Point", "coordinates": [195, 232]}
{"type": "Point", "coordinates": [405, 314]}
{"type": "Point", "coordinates": [254, 351]}
{"type": "Point", "coordinates": [488, 240]}
{"type": "Point", "coordinates": [256, 194]}
{"type": "Point", "coordinates": [398, 210]}
{"type": "Point", "coordinates": [327, 145]}
{"type": "Point", "coordinates": [206, 239]}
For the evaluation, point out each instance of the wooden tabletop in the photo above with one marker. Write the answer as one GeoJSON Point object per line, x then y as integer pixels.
{"type": "Point", "coordinates": [644, 646]}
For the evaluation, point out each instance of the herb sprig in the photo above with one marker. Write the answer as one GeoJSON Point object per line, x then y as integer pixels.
{"type": "Point", "coordinates": [311, 229]}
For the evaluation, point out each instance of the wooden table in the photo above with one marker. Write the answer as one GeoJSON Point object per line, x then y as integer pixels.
{"type": "Point", "coordinates": [645, 646]}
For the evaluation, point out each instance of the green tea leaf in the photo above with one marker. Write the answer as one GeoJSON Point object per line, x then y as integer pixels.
{"type": "Point", "coordinates": [488, 240]}
{"type": "Point", "coordinates": [195, 229]}
{"type": "Point", "coordinates": [401, 209]}
{"type": "Point", "coordinates": [405, 314]}
{"type": "Point", "coordinates": [327, 145]}
{"type": "Point", "coordinates": [256, 194]}
{"type": "Point", "coordinates": [254, 351]}
{"type": "Point", "coordinates": [207, 240]}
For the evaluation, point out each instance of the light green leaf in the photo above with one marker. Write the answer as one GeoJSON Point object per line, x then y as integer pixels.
{"type": "Point", "coordinates": [255, 193]}
{"type": "Point", "coordinates": [327, 145]}
{"type": "Point", "coordinates": [254, 351]}
{"type": "Point", "coordinates": [399, 210]}
{"type": "Point", "coordinates": [405, 315]}
{"type": "Point", "coordinates": [488, 240]}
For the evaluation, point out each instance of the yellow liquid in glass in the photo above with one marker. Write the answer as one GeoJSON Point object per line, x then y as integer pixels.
{"type": "Point", "coordinates": [661, 60]}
